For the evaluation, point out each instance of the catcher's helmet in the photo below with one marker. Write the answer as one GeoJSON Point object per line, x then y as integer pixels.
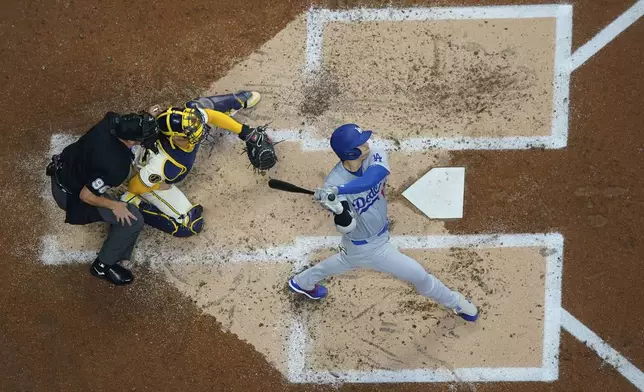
{"type": "Point", "coordinates": [187, 122]}
{"type": "Point", "coordinates": [346, 139]}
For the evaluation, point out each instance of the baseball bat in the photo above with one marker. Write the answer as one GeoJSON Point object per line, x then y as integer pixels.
{"type": "Point", "coordinates": [288, 187]}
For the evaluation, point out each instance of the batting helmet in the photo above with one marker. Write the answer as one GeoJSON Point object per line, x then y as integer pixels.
{"type": "Point", "coordinates": [346, 139]}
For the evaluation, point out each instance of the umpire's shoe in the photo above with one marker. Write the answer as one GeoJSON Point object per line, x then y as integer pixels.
{"type": "Point", "coordinates": [117, 274]}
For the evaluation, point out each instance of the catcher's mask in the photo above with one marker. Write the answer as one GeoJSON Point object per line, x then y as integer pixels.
{"type": "Point", "coordinates": [140, 127]}
{"type": "Point", "coordinates": [187, 122]}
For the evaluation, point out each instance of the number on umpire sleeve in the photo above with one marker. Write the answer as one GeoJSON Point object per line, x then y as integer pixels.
{"type": "Point", "coordinates": [99, 186]}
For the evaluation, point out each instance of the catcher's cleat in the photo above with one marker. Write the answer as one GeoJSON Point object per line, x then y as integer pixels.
{"type": "Point", "coordinates": [117, 274]}
{"type": "Point", "coordinates": [318, 291]}
{"type": "Point", "coordinates": [228, 104]}
{"type": "Point", "coordinates": [465, 309]}
{"type": "Point", "coordinates": [247, 99]}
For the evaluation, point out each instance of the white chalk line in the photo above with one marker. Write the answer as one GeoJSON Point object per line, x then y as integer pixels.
{"type": "Point", "coordinates": [309, 143]}
{"type": "Point", "coordinates": [606, 35]}
{"type": "Point", "coordinates": [553, 244]}
{"type": "Point", "coordinates": [304, 246]}
{"type": "Point", "coordinates": [564, 65]}
{"type": "Point", "coordinates": [299, 254]}
{"type": "Point", "coordinates": [298, 341]}
{"type": "Point", "coordinates": [561, 78]}
{"type": "Point", "coordinates": [552, 307]}
{"type": "Point", "coordinates": [423, 375]}
{"type": "Point", "coordinates": [317, 19]}
{"type": "Point", "coordinates": [297, 344]}
{"type": "Point", "coordinates": [51, 253]}
{"type": "Point", "coordinates": [554, 318]}
{"type": "Point", "coordinates": [605, 352]}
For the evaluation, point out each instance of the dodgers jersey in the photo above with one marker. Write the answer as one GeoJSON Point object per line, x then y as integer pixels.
{"type": "Point", "coordinates": [370, 207]}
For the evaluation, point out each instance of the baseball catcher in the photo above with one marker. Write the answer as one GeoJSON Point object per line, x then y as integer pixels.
{"type": "Point", "coordinates": [182, 131]}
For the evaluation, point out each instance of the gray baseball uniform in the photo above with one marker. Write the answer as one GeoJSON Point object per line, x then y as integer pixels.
{"type": "Point", "coordinates": [367, 246]}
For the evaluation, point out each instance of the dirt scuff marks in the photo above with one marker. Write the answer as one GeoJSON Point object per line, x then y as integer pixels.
{"type": "Point", "coordinates": [321, 89]}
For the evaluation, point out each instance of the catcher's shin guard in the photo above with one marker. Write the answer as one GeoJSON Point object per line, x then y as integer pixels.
{"type": "Point", "coordinates": [192, 222]}
{"type": "Point", "coordinates": [227, 103]}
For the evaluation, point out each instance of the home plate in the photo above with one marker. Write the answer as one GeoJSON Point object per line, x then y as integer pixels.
{"type": "Point", "coordinates": [439, 193]}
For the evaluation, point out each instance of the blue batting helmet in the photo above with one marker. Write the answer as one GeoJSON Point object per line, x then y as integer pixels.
{"type": "Point", "coordinates": [346, 139]}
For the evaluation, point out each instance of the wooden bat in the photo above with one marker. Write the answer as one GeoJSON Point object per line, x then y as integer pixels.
{"type": "Point", "coordinates": [288, 187]}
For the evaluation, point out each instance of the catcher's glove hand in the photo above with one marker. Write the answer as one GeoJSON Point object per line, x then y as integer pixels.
{"type": "Point", "coordinates": [260, 149]}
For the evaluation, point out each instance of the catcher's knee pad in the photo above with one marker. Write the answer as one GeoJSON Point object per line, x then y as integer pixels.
{"type": "Point", "coordinates": [188, 225]}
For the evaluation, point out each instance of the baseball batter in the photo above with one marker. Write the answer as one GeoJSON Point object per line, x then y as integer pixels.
{"type": "Point", "coordinates": [354, 192]}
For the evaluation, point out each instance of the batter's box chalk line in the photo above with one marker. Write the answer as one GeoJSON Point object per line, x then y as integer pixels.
{"type": "Point", "coordinates": [555, 317]}
{"type": "Point", "coordinates": [603, 350]}
{"type": "Point", "coordinates": [299, 344]}
{"type": "Point", "coordinates": [558, 138]}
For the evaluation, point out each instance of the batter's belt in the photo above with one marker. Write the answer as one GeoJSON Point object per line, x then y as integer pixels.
{"type": "Point", "coordinates": [364, 242]}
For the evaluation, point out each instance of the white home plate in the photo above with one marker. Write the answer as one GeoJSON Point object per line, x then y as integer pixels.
{"type": "Point", "coordinates": [439, 193]}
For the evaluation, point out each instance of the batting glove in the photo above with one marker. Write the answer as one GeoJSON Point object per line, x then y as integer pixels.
{"type": "Point", "coordinates": [323, 193]}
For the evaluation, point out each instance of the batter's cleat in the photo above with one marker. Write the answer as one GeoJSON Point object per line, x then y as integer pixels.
{"type": "Point", "coordinates": [465, 309]}
{"type": "Point", "coordinates": [117, 274]}
{"type": "Point", "coordinates": [318, 291]}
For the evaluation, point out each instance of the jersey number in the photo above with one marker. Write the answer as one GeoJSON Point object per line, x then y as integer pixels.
{"type": "Point", "coordinates": [100, 186]}
{"type": "Point", "coordinates": [97, 184]}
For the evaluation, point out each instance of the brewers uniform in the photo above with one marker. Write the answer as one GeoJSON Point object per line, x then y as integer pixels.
{"type": "Point", "coordinates": [153, 189]}
{"type": "Point", "coordinates": [365, 240]}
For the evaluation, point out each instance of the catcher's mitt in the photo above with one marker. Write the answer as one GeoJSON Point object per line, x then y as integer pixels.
{"type": "Point", "coordinates": [260, 149]}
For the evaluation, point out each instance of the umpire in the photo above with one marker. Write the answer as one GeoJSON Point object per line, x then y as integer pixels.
{"type": "Point", "coordinates": [86, 169]}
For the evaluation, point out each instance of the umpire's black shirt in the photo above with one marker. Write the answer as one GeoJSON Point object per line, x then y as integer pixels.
{"type": "Point", "coordinates": [99, 161]}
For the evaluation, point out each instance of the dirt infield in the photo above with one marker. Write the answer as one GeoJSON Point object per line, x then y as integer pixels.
{"type": "Point", "coordinates": [180, 328]}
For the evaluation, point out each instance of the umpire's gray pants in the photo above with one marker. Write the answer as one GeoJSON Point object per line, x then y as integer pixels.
{"type": "Point", "coordinates": [381, 256]}
{"type": "Point", "coordinates": [121, 238]}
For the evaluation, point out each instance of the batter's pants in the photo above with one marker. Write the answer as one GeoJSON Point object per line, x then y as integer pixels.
{"type": "Point", "coordinates": [121, 238]}
{"type": "Point", "coordinates": [379, 255]}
